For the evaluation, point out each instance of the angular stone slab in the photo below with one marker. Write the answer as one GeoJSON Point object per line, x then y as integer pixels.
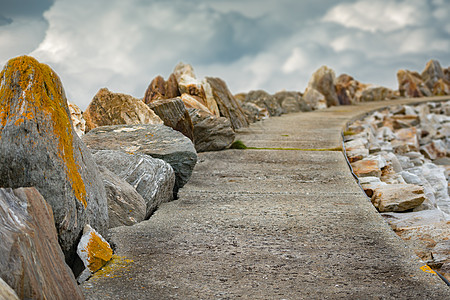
{"type": "Point", "coordinates": [158, 141]}
{"type": "Point", "coordinates": [31, 261]}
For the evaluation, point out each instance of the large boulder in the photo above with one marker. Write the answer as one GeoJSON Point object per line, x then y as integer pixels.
{"type": "Point", "coordinates": [432, 73]}
{"type": "Point", "coordinates": [125, 205]}
{"type": "Point", "coordinates": [376, 93]}
{"type": "Point", "coordinates": [108, 108]}
{"type": "Point", "coordinates": [263, 99]}
{"type": "Point", "coordinates": [160, 89]}
{"type": "Point", "coordinates": [40, 148]}
{"type": "Point", "coordinates": [324, 80]}
{"type": "Point", "coordinates": [314, 99]}
{"type": "Point", "coordinates": [174, 114]}
{"type": "Point", "coordinates": [158, 141]}
{"type": "Point", "coordinates": [211, 133]}
{"type": "Point", "coordinates": [397, 197]}
{"type": "Point", "coordinates": [228, 106]}
{"type": "Point", "coordinates": [152, 178]}
{"type": "Point", "coordinates": [291, 102]}
{"type": "Point", "coordinates": [410, 84]}
{"type": "Point", "coordinates": [31, 261]}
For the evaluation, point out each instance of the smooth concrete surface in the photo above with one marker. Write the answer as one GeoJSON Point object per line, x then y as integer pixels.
{"type": "Point", "coordinates": [269, 224]}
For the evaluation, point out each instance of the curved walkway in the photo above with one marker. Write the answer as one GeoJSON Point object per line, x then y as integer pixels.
{"type": "Point", "coordinates": [269, 224]}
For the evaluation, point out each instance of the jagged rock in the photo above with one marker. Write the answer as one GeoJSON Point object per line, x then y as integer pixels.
{"type": "Point", "coordinates": [39, 147]}
{"type": "Point", "coordinates": [314, 99]}
{"type": "Point", "coordinates": [254, 113]}
{"type": "Point", "coordinates": [324, 80]}
{"type": "Point", "coordinates": [432, 73]}
{"type": "Point", "coordinates": [376, 93]}
{"type": "Point", "coordinates": [346, 89]}
{"type": "Point", "coordinates": [194, 102]}
{"type": "Point", "coordinates": [434, 150]}
{"type": "Point", "coordinates": [108, 108]}
{"type": "Point", "coordinates": [441, 252]}
{"type": "Point", "coordinates": [125, 205]}
{"type": "Point", "coordinates": [263, 99]}
{"type": "Point", "coordinates": [31, 261]}
{"type": "Point", "coordinates": [211, 133]}
{"type": "Point", "coordinates": [174, 114]}
{"type": "Point", "coordinates": [158, 141]}
{"type": "Point", "coordinates": [78, 122]}
{"type": "Point", "coordinates": [6, 292]}
{"type": "Point", "coordinates": [228, 106]}
{"type": "Point", "coordinates": [183, 69]}
{"type": "Point", "coordinates": [160, 89]}
{"type": "Point", "coordinates": [367, 168]}
{"type": "Point", "coordinates": [441, 88]}
{"type": "Point", "coordinates": [413, 219]}
{"type": "Point", "coordinates": [94, 252]}
{"type": "Point", "coordinates": [406, 140]}
{"type": "Point", "coordinates": [410, 84]}
{"type": "Point", "coordinates": [291, 102]}
{"type": "Point", "coordinates": [397, 197]}
{"type": "Point", "coordinates": [152, 178]}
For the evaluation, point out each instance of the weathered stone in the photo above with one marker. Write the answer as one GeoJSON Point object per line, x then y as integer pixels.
{"type": "Point", "coordinates": [397, 197]}
{"type": "Point", "coordinates": [174, 114]}
{"type": "Point", "coordinates": [211, 133]}
{"type": "Point", "coordinates": [108, 108]}
{"type": "Point", "coordinates": [323, 80]}
{"type": "Point", "coordinates": [254, 113]}
{"type": "Point", "coordinates": [291, 102]}
{"type": "Point", "coordinates": [183, 69]}
{"type": "Point", "coordinates": [31, 261]}
{"type": "Point", "coordinates": [376, 93]}
{"type": "Point", "coordinates": [39, 147]}
{"type": "Point", "coordinates": [367, 167]}
{"type": "Point", "coordinates": [410, 84]}
{"type": "Point", "coordinates": [413, 219]}
{"type": "Point", "coordinates": [228, 106]}
{"type": "Point", "coordinates": [78, 122]}
{"type": "Point", "coordinates": [314, 99]}
{"type": "Point", "coordinates": [432, 73]}
{"type": "Point", "coordinates": [194, 102]}
{"type": "Point", "coordinates": [434, 150]}
{"type": "Point", "coordinates": [263, 99]}
{"type": "Point", "coordinates": [441, 252]}
{"type": "Point", "coordinates": [406, 140]}
{"type": "Point", "coordinates": [346, 89]}
{"type": "Point", "coordinates": [441, 88]}
{"type": "Point", "coordinates": [6, 292]}
{"type": "Point", "coordinates": [158, 141]}
{"type": "Point", "coordinates": [152, 178]}
{"type": "Point", "coordinates": [125, 205]}
{"type": "Point", "coordinates": [160, 89]}
{"type": "Point", "coordinates": [94, 251]}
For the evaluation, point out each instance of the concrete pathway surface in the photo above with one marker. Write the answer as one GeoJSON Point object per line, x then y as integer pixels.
{"type": "Point", "coordinates": [269, 224]}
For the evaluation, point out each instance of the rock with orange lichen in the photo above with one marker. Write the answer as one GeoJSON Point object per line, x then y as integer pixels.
{"type": "Point", "coordinates": [94, 252]}
{"type": "Point", "coordinates": [39, 147]}
{"type": "Point", "coordinates": [108, 108]}
{"type": "Point", "coordinates": [31, 261]}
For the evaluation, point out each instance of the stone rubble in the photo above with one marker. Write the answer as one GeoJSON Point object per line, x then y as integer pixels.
{"type": "Point", "coordinates": [401, 156]}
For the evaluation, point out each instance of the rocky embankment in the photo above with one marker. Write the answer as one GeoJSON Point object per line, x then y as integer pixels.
{"type": "Point", "coordinates": [59, 193]}
{"type": "Point", "coordinates": [401, 157]}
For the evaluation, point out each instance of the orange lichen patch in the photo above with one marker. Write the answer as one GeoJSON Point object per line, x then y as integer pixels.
{"type": "Point", "coordinates": [37, 90]}
{"type": "Point", "coordinates": [98, 252]}
{"type": "Point", "coordinates": [113, 267]}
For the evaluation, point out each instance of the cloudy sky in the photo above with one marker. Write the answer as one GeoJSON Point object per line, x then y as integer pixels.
{"type": "Point", "coordinates": [251, 44]}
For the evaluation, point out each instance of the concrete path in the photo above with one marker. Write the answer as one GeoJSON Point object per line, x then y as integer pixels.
{"type": "Point", "coordinates": [269, 224]}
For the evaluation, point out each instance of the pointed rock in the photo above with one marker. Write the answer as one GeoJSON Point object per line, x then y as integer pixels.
{"type": "Point", "coordinates": [324, 80]}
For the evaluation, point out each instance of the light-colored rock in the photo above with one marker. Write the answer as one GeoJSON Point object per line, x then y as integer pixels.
{"type": "Point", "coordinates": [93, 250]}
{"type": "Point", "coordinates": [211, 133]}
{"type": "Point", "coordinates": [413, 219]}
{"type": "Point", "coordinates": [78, 122]}
{"type": "Point", "coordinates": [125, 205]}
{"type": "Point", "coordinates": [397, 197]}
{"type": "Point", "coordinates": [31, 260]}
{"type": "Point", "coordinates": [435, 175]}
{"type": "Point", "coordinates": [6, 292]}
{"type": "Point", "coordinates": [183, 69]}
{"type": "Point", "coordinates": [432, 73]}
{"type": "Point", "coordinates": [108, 108]}
{"type": "Point", "coordinates": [434, 150]}
{"type": "Point", "coordinates": [152, 178]}
{"type": "Point", "coordinates": [175, 115]}
{"type": "Point", "coordinates": [314, 99]}
{"type": "Point", "coordinates": [191, 102]}
{"type": "Point", "coordinates": [376, 93]}
{"type": "Point", "coordinates": [158, 141]}
{"type": "Point", "coordinates": [229, 107]}
{"type": "Point", "coordinates": [410, 84]}
{"type": "Point", "coordinates": [291, 101]}
{"type": "Point", "coordinates": [406, 140]}
{"type": "Point", "coordinates": [366, 168]}
{"type": "Point", "coordinates": [323, 80]}
{"type": "Point", "coordinates": [441, 252]}
{"type": "Point", "coordinates": [40, 148]}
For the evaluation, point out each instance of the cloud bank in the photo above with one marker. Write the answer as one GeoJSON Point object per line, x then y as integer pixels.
{"type": "Point", "coordinates": [270, 45]}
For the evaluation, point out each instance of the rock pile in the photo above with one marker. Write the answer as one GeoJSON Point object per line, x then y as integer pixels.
{"type": "Point", "coordinates": [402, 160]}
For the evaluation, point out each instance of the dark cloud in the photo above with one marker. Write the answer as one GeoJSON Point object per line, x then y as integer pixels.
{"type": "Point", "coordinates": [29, 8]}
{"type": "Point", "coordinates": [5, 20]}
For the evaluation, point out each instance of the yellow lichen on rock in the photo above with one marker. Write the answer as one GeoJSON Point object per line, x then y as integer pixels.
{"type": "Point", "coordinates": [29, 89]}
{"type": "Point", "coordinates": [99, 252]}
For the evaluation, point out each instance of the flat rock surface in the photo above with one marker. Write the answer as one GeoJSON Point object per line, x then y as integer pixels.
{"type": "Point", "coordinates": [269, 224]}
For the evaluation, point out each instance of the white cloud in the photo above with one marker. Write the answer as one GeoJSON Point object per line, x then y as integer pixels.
{"type": "Point", "coordinates": [296, 61]}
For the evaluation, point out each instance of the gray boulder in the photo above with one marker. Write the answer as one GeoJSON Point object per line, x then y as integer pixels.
{"type": "Point", "coordinates": [211, 133]}
{"type": "Point", "coordinates": [31, 261]}
{"type": "Point", "coordinates": [291, 102]}
{"type": "Point", "coordinates": [263, 99]}
{"type": "Point", "coordinates": [125, 205]}
{"type": "Point", "coordinates": [40, 148]}
{"type": "Point", "coordinates": [152, 178]}
{"type": "Point", "coordinates": [158, 141]}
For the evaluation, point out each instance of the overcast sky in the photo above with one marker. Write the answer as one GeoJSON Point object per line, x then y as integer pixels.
{"type": "Point", "coordinates": [251, 44]}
